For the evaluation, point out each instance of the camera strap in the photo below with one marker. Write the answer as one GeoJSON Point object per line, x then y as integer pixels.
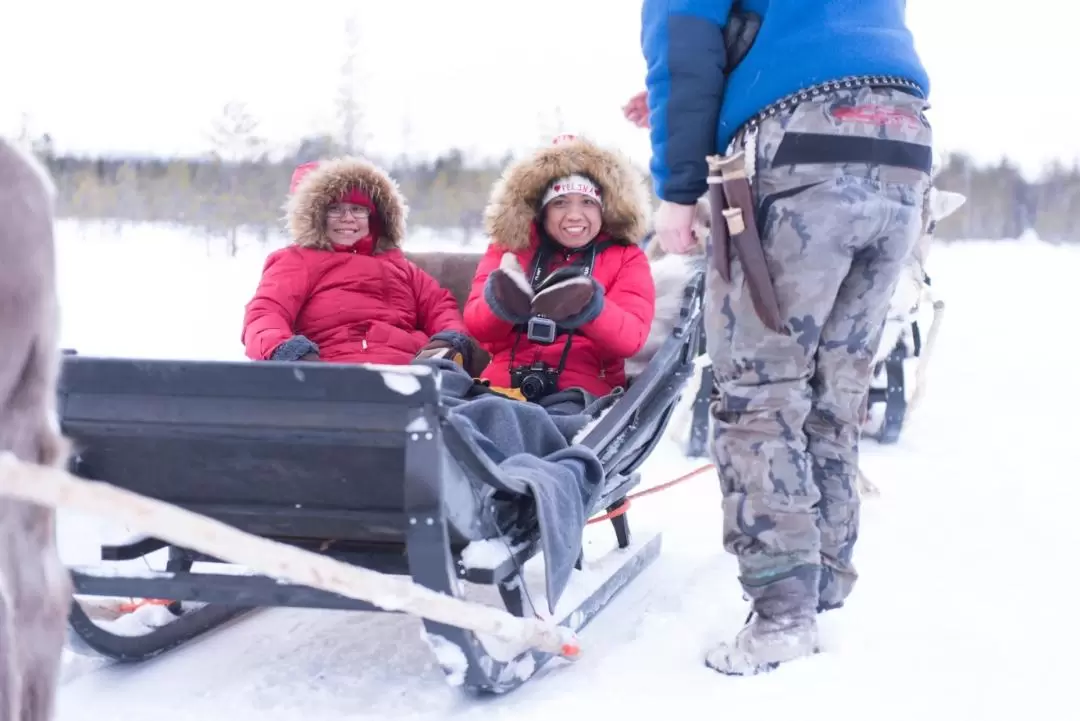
{"type": "Point", "coordinates": [586, 259]}
{"type": "Point", "coordinates": [562, 359]}
{"type": "Point", "coordinates": [540, 272]}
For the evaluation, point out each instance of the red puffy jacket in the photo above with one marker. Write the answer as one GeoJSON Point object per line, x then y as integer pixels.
{"type": "Point", "coordinates": [599, 349]}
{"type": "Point", "coordinates": [353, 306]}
{"type": "Point", "coordinates": [365, 303]}
{"type": "Point", "coordinates": [596, 361]}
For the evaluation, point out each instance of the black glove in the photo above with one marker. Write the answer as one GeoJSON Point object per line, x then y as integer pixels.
{"type": "Point", "coordinates": [459, 348]}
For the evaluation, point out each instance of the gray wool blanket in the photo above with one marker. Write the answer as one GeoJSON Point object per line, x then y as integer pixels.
{"type": "Point", "coordinates": [530, 443]}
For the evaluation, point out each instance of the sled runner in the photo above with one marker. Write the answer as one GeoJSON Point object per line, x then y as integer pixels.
{"type": "Point", "coordinates": [359, 463]}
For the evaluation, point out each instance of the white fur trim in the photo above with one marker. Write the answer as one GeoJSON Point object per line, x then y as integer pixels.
{"type": "Point", "coordinates": [580, 280]}
{"type": "Point", "coordinates": [509, 264]}
{"type": "Point", "coordinates": [572, 184]}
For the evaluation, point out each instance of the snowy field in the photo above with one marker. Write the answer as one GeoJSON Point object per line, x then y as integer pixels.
{"type": "Point", "coordinates": [979, 502]}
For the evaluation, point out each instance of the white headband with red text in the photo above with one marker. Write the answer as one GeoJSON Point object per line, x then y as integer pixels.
{"type": "Point", "coordinates": [572, 184]}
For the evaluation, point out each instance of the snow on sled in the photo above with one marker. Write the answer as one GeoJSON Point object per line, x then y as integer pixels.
{"type": "Point", "coordinates": [364, 464]}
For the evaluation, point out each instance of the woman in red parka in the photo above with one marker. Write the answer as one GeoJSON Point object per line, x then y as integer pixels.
{"type": "Point", "coordinates": [344, 292]}
{"type": "Point", "coordinates": [565, 224]}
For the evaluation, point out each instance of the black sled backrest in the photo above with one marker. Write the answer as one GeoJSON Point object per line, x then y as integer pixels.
{"type": "Point", "coordinates": [293, 450]}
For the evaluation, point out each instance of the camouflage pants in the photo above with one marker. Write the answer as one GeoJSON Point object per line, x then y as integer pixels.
{"type": "Point", "coordinates": [786, 424]}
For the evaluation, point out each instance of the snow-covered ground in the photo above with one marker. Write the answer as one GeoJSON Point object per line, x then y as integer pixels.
{"type": "Point", "coordinates": [965, 559]}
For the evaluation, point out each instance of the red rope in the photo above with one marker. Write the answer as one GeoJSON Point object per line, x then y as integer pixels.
{"type": "Point", "coordinates": [625, 505]}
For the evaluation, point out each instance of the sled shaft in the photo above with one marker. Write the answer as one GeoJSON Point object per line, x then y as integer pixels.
{"type": "Point", "coordinates": [58, 489]}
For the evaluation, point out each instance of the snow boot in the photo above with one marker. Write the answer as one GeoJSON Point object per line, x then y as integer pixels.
{"type": "Point", "coordinates": [764, 643]}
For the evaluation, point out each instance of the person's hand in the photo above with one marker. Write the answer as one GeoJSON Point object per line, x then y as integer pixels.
{"type": "Point", "coordinates": [565, 295]}
{"type": "Point", "coordinates": [459, 348]}
{"type": "Point", "coordinates": [674, 227]}
{"type": "Point", "coordinates": [508, 292]}
{"type": "Point", "coordinates": [636, 110]}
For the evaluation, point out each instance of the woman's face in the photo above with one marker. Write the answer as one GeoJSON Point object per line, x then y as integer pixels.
{"type": "Point", "coordinates": [573, 220]}
{"type": "Point", "coordinates": [346, 223]}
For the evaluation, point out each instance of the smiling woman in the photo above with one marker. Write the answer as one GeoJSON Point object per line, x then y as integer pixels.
{"type": "Point", "coordinates": [347, 222]}
{"type": "Point", "coordinates": [573, 214]}
{"type": "Point", "coordinates": [344, 292]}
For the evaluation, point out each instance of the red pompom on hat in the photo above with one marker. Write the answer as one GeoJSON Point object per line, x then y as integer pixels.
{"type": "Point", "coordinates": [299, 173]}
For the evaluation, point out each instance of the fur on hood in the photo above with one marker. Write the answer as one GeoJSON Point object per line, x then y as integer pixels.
{"type": "Point", "coordinates": [515, 199]}
{"type": "Point", "coordinates": [305, 209]}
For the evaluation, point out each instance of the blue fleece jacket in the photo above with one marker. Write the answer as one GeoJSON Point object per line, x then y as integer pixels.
{"type": "Point", "coordinates": [801, 43]}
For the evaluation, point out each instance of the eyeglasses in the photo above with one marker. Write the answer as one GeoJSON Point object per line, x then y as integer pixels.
{"type": "Point", "coordinates": [339, 210]}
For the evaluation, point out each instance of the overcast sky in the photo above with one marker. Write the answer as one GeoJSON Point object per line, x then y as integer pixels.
{"type": "Point", "coordinates": [484, 75]}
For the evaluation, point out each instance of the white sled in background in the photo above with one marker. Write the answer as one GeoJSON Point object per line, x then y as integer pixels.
{"type": "Point", "coordinates": [910, 332]}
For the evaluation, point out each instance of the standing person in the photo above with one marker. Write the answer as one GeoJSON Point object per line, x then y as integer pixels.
{"type": "Point", "coordinates": [824, 100]}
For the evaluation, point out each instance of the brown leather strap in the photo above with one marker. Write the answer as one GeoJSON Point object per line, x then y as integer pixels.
{"type": "Point", "coordinates": [738, 217]}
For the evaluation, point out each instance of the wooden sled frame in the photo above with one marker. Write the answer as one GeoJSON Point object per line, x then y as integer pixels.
{"type": "Point", "coordinates": [416, 518]}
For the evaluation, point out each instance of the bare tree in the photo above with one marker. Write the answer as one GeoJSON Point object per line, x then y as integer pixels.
{"type": "Point", "coordinates": [26, 132]}
{"type": "Point", "coordinates": [236, 145]}
{"type": "Point", "coordinates": [234, 136]}
{"type": "Point", "coordinates": [551, 122]}
{"type": "Point", "coordinates": [407, 131]}
{"type": "Point", "coordinates": [350, 114]}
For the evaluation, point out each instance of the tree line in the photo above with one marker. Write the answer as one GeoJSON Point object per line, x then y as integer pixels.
{"type": "Point", "coordinates": [220, 198]}
{"type": "Point", "coordinates": [240, 187]}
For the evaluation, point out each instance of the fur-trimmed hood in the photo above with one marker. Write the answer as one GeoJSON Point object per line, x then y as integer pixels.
{"type": "Point", "coordinates": [515, 199]}
{"type": "Point", "coordinates": [326, 182]}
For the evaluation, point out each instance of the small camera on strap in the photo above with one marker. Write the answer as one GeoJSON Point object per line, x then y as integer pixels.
{"type": "Point", "coordinates": [541, 330]}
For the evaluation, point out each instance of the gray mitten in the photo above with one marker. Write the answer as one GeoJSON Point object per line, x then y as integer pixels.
{"type": "Point", "coordinates": [508, 292]}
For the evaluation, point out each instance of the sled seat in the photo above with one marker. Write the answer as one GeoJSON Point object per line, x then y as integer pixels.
{"type": "Point", "coordinates": [453, 271]}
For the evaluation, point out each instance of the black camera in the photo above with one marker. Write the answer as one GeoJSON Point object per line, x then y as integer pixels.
{"type": "Point", "coordinates": [534, 381]}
